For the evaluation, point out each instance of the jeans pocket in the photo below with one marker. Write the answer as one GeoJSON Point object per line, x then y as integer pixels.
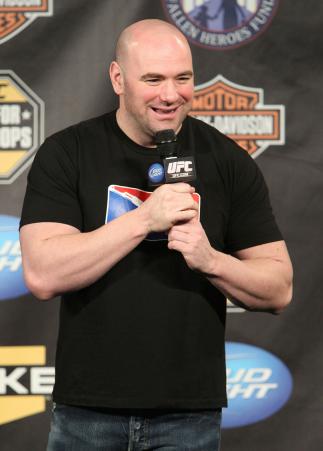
{"type": "Point", "coordinates": [213, 416]}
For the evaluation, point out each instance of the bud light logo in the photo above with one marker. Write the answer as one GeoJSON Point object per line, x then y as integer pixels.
{"type": "Point", "coordinates": [11, 276]}
{"type": "Point", "coordinates": [258, 385]}
{"type": "Point", "coordinates": [156, 173]}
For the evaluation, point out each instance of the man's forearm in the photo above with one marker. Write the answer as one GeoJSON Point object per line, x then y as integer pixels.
{"type": "Point", "coordinates": [72, 261]}
{"type": "Point", "coordinates": [257, 284]}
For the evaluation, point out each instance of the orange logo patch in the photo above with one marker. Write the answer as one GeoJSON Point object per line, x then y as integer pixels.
{"type": "Point", "coordinates": [16, 15]}
{"type": "Point", "coordinates": [239, 112]}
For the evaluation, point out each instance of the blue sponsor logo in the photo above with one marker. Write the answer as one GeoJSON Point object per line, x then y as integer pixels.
{"type": "Point", "coordinates": [221, 24]}
{"type": "Point", "coordinates": [11, 276]}
{"type": "Point", "coordinates": [156, 173]}
{"type": "Point", "coordinates": [258, 385]}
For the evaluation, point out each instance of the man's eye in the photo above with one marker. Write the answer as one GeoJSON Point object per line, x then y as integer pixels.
{"type": "Point", "coordinates": [184, 79]}
{"type": "Point", "coordinates": [152, 80]}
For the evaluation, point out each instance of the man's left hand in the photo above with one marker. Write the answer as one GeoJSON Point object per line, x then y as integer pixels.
{"type": "Point", "coordinates": [190, 239]}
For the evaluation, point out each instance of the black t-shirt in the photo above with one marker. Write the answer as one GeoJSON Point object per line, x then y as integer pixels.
{"type": "Point", "coordinates": [149, 334]}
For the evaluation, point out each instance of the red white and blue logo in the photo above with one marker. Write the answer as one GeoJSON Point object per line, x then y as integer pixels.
{"type": "Point", "coordinates": [122, 199]}
{"type": "Point", "coordinates": [221, 24]}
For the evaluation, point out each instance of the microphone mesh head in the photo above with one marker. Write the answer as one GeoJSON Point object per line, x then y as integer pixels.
{"type": "Point", "coordinates": [165, 136]}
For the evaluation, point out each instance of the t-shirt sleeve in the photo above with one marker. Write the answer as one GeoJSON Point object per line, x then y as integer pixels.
{"type": "Point", "coordinates": [251, 220]}
{"type": "Point", "coordinates": [52, 187]}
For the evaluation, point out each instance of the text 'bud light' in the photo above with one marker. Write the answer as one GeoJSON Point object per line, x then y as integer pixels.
{"type": "Point", "coordinates": [258, 385]}
{"type": "Point", "coordinates": [11, 276]}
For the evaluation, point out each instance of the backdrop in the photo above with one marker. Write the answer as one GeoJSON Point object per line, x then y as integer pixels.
{"type": "Point", "coordinates": [258, 75]}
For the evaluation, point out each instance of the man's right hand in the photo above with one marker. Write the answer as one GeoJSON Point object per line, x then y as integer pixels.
{"type": "Point", "coordinates": [168, 205]}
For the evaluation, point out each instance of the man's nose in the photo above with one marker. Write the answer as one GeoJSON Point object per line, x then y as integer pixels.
{"type": "Point", "coordinates": [168, 92]}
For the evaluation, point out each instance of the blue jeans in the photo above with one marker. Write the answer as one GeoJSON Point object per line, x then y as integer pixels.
{"type": "Point", "coordinates": [83, 429]}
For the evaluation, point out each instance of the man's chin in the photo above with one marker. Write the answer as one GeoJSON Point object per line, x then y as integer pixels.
{"type": "Point", "coordinates": [159, 122]}
{"type": "Point", "coordinates": [167, 125]}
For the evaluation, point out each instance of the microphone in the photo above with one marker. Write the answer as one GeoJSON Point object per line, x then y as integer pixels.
{"type": "Point", "coordinates": [166, 141]}
{"type": "Point", "coordinates": [173, 169]}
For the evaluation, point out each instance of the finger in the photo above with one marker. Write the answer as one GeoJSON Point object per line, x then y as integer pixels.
{"type": "Point", "coordinates": [178, 246]}
{"type": "Point", "coordinates": [184, 215]}
{"type": "Point", "coordinates": [182, 188]}
{"type": "Point", "coordinates": [178, 235]}
{"type": "Point", "coordinates": [188, 203]}
{"type": "Point", "coordinates": [188, 226]}
{"type": "Point", "coordinates": [180, 227]}
{"type": "Point", "coordinates": [196, 219]}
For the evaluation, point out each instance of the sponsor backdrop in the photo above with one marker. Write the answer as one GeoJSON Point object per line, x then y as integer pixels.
{"type": "Point", "coordinates": [258, 72]}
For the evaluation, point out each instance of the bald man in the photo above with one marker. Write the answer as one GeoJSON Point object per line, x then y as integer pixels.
{"type": "Point", "coordinates": [144, 272]}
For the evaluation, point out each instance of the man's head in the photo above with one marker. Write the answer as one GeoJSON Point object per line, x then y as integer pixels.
{"type": "Point", "coordinates": [153, 77]}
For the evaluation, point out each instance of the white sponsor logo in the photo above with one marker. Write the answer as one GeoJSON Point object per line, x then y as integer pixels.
{"type": "Point", "coordinates": [179, 166]}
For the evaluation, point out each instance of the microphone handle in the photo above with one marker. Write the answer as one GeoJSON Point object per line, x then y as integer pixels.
{"type": "Point", "coordinates": [168, 149]}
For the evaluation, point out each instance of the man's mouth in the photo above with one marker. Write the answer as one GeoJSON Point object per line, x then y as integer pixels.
{"type": "Point", "coordinates": [164, 111]}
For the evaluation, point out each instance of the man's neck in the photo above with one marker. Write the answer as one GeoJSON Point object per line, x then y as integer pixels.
{"type": "Point", "coordinates": [125, 125]}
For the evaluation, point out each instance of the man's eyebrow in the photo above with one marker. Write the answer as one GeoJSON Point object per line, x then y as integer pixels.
{"type": "Point", "coordinates": [156, 75]}
{"type": "Point", "coordinates": [151, 75]}
{"type": "Point", "coordinates": [187, 72]}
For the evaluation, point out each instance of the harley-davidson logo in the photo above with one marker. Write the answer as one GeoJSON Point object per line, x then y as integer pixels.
{"type": "Point", "coordinates": [16, 15]}
{"type": "Point", "coordinates": [239, 112]}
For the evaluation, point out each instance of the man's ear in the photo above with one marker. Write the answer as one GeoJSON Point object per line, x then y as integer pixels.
{"type": "Point", "coordinates": [116, 77]}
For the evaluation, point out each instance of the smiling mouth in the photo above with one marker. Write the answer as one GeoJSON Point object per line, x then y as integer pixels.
{"type": "Point", "coordinates": [165, 112]}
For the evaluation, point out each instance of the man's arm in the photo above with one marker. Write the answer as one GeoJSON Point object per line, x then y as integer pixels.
{"type": "Point", "coordinates": [58, 258]}
{"type": "Point", "coordinates": [259, 278]}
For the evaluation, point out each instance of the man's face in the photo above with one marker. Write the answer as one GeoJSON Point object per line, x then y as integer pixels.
{"type": "Point", "coordinates": [157, 88]}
